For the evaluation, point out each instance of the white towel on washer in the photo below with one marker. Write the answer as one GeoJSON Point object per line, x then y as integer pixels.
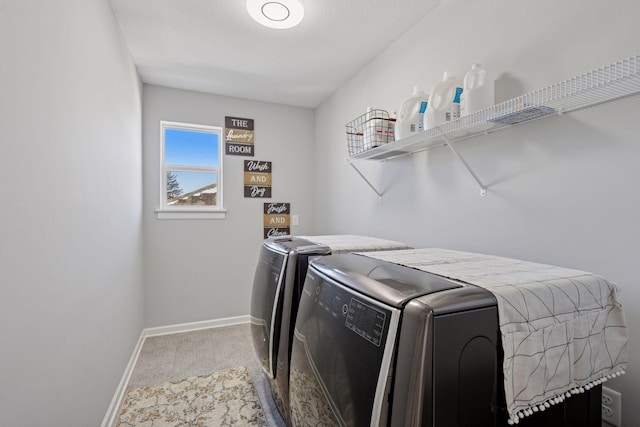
{"type": "Point", "coordinates": [341, 243]}
{"type": "Point", "coordinates": [563, 330]}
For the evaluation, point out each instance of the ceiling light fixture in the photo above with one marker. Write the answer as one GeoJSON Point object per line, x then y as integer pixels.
{"type": "Point", "coordinates": [280, 14]}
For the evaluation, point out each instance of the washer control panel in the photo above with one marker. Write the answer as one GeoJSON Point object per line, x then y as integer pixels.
{"type": "Point", "coordinates": [365, 320]}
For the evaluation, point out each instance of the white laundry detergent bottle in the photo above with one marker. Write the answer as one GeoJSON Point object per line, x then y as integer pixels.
{"type": "Point", "coordinates": [440, 102]}
{"type": "Point", "coordinates": [411, 116]}
{"type": "Point", "coordinates": [479, 91]}
{"type": "Point", "coordinates": [455, 108]}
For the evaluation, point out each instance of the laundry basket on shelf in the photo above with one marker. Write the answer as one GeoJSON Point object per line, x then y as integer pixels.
{"type": "Point", "coordinates": [369, 130]}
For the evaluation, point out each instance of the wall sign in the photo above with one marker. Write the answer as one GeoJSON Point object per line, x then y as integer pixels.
{"type": "Point", "coordinates": [257, 179]}
{"type": "Point", "coordinates": [276, 219]}
{"type": "Point", "coordinates": [238, 136]}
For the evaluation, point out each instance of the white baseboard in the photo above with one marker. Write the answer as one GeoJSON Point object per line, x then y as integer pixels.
{"type": "Point", "coordinates": [112, 413]}
{"type": "Point", "coordinates": [195, 326]}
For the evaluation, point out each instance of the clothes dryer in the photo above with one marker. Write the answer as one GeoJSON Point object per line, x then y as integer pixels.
{"type": "Point", "coordinates": [279, 276]}
{"type": "Point", "coordinates": [380, 344]}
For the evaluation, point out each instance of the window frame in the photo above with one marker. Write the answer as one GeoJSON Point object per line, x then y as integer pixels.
{"type": "Point", "coordinates": [184, 211]}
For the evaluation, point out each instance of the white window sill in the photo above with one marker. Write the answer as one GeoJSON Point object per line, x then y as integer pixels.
{"type": "Point", "coordinates": [191, 214]}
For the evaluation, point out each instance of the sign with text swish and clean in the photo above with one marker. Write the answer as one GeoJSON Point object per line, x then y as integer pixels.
{"type": "Point", "coordinates": [257, 179]}
{"type": "Point", "coordinates": [238, 136]}
{"type": "Point", "coordinates": [276, 219]}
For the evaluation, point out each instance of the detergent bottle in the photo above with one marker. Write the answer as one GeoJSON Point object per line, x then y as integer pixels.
{"type": "Point", "coordinates": [440, 104]}
{"type": "Point", "coordinates": [411, 116]}
{"type": "Point", "coordinates": [478, 92]}
{"type": "Point", "coordinates": [455, 108]}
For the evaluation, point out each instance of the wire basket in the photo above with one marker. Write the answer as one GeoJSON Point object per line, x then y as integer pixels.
{"type": "Point", "coordinates": [370, 130]}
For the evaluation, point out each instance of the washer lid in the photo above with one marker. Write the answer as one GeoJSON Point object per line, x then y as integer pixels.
{"type": "Point", "coordinates": [288, 244]}
{"type": "Point", "coordinates": [390, 283]}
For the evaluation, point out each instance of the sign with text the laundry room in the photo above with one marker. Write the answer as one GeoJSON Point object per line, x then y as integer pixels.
{"type": "Point", "coordinates": [276, 219]}
{"type": "Point", "coordinates": [257, 179]}
{"type": "Point", "coordinates": [238, 136]}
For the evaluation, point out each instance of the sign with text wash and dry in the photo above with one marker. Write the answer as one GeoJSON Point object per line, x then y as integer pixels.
{"type": "Point", "coordinates": [238, 136]}
{"type": "Point", "coordinates": [276, 219]}
{"type": "Point", "coordinates": [257, 179]}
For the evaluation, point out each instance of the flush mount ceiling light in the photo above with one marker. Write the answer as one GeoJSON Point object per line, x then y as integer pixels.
{"type": "Point", "coordinates": [280, 14]}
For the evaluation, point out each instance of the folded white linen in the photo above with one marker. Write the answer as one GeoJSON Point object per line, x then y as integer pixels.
{"type": "Point", "coordinates": [563, 330]}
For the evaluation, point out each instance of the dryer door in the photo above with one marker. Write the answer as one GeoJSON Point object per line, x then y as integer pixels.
{"type": "Point", "coordinates": [342, 352]}
{"type": "Point", "coordinates": [266, 305]}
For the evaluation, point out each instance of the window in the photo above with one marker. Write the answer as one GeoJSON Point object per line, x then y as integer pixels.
{"type": "Point", "coordinates": [191, 171]}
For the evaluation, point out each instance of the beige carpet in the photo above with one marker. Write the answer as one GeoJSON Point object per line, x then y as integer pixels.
{"type": "Point", "coordinates": [223, 398]}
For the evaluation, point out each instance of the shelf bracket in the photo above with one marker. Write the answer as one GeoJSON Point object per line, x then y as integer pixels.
{"type": "Point", "coordinates": [483, 188]}
{"type": "Point", "coordinates": [366, 180]}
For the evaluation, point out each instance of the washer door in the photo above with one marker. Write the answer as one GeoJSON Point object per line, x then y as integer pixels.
{"type": "Point", "coordinates": [266, 305]}
{"type": "Point", "coordinates": [342, 351]}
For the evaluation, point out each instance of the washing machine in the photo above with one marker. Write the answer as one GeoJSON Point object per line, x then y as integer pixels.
{"type": "Point", "coordinates": [279, 276]}
{"type": "Point", "coordinates": [380, 344]}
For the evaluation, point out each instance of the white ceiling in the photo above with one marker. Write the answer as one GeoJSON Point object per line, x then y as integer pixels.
{"type": "Point", "coordinates": [214, 46]}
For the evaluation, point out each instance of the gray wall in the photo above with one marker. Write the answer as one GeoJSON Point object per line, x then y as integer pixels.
{"type": "Point", "coordinates": [203, 269]}
{"type": "Point", "coordinates": [70, 235]}
{"type": "Point", "coordinates": [561, 191]}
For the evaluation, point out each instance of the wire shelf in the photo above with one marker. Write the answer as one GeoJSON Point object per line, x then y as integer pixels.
{"type": "Point", "coordinates": [615, 81]}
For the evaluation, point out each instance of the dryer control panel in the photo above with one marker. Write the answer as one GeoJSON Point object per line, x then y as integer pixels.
{"type": "Point", "coordinates": [365, 320]}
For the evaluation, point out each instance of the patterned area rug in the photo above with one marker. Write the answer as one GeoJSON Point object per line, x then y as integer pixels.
{"type": "Point", "coordinates": [309, 406]}
{"type": "Point", "coordinates": [224, 398]}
